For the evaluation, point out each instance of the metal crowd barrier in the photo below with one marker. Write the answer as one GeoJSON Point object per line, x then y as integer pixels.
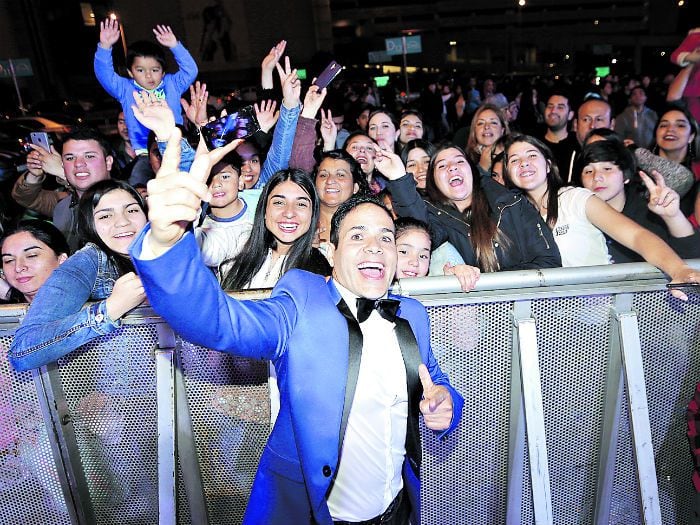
{"type": "Point", "coordinates": [576, 383]}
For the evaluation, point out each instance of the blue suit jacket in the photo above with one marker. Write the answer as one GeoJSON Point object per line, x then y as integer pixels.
{"type": "Point", "coordinates": [302, 331]}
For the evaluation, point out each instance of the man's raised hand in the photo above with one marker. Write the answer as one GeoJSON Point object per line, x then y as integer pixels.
{"type": "Point", "coordinates": [436, 405]}
{"type": "Point", "coordinates": [175, 197]}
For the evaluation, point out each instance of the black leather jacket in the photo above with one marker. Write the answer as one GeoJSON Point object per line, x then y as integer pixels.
{"type": "Point", "coordinates": [531, 243]}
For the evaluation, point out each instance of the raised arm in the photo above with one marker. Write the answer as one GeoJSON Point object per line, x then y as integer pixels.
{"type": "Point", "coordinates": [633, 236]}
{"type": "Point", "coordinates": [283, 137]}
{"type": "Point", "coordinates": [302, 155]}
{"type": "Point", "coordinates": [57, 321]}
{"type": "Point", "coordinates": [677, 87]}
{"type": "Point", "coordinates": [187, 67]}
{"type": "Point", "coordinates": [269, 62]}
{"type": "Point", "coordinates": [174, 276]}
{"type": "Point", "coordinates": [113, 84]}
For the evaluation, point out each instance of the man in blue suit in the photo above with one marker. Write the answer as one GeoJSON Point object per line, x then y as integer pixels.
{"type": "Point", "coordinates": [354, 367]}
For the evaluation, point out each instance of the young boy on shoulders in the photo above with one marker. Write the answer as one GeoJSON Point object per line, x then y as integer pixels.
{"type": "Point", "coordinates": [145, 62]}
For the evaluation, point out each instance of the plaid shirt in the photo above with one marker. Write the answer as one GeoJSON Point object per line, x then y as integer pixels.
{"type": "Point", "coordinates": [693, 416]}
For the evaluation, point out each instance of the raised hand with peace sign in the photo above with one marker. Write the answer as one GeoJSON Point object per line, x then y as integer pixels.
{"type": "Point", "coordinates": [175, 197]}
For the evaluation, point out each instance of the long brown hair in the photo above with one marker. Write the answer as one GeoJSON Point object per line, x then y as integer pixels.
{"type": "Point", "coordinates": [472, 145]}
{"type": "Point", "coordinates": [477, 217]}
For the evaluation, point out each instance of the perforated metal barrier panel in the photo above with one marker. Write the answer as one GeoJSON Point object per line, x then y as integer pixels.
{"type": "Point", "coordinates": [472, 344]}
{"type": "Point", "coordinates": [109, 387]}
{"type": "Point", "coordinates": [30, 491]}
{"type": "Point", "coordinates": [230, 409]}
{"type": "Point", "coordinates": [102, 405]}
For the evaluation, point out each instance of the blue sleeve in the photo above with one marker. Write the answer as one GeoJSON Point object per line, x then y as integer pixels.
{"type": "Point", "coordinates": [178, 280]}
{"type": "Point", "coordinates": [187, 72]}
{"type": "Point", "coordinates": [58, 321]}
{"type": "Point", "coordinates": [177, 83]}
{"type": "Point", "coordinates": [282, 141]}
{"type": "Point", "coordinates": [122, 89]}
{"type": "Point", "coordinates": [186, 154]}
{"type": "Point", "coordinates": [114, 84]}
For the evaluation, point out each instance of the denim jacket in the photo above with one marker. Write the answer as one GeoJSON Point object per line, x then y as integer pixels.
{"type": "Point", "coordinates": [277, 157]}
{"type": "Point", "coordinates": [58, 320]}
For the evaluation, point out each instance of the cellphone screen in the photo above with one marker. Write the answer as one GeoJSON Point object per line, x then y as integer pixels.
{"type": "Point", "coordinates": [238, 125]}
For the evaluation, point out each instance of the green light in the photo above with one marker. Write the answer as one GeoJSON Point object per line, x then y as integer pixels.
{"type": "Point", "coordinates": [381, 81]}
{"type": "Point", "coordinates": [301, 73]}
{"type": "Point", "coordinates": [603, 71]}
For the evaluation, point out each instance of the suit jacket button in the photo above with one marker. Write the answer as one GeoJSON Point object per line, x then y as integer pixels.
{"type": "Point", "coordinates": [327, 471]}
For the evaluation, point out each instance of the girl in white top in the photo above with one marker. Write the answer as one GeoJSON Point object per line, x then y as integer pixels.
{"type": "Point", "coordinates": [576, 215]}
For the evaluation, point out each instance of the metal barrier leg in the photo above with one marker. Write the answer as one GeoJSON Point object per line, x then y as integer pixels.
{"type": "Point", "coordinates": [534, 416]}
{"type": "Point", "coordinates": [639, 417]}
{"type": "Point", "coordinates": [516, 439]}
{"type": "Point", "coordinates": [187, 451]}
{"type": "Point", "coordinates": [63, 444]}
{"type": "Point", "coordinates": [611, 419]}
{"type": "Point", "coordinates": [165, 395]}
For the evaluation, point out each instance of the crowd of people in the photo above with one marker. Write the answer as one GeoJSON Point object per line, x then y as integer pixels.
{"type": "Point", "coordinates": [476, 180]}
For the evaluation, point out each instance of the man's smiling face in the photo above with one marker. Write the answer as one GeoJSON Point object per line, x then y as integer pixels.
{"type": "Point", "coordinates": [364, 261]}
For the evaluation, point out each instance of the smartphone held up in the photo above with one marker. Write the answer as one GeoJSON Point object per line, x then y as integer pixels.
{"type": "Point", "coordinates": [237, 125]}
{"type": "Point", "coordinates": [327, 75]}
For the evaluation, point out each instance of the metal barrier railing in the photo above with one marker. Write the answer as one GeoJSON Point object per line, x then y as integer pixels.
{"type": "Point", "coordinates": [575, 382]}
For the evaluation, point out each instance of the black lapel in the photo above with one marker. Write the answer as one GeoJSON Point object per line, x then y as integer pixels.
{"type": "Point", "coordinates": [411, 358]}
{"type": "Point", "coordinates": [354, 358]}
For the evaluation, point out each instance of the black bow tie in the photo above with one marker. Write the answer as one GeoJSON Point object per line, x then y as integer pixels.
{"type": "Point", "coordinates": [387, 308]}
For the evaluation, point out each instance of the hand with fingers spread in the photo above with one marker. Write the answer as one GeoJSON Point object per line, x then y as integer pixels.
{"type": "Point", "coordinates": [467, 275]}
{"type": "Point", "coordinates": [436, 405]}
{"type": "Point", "coordinates": [165, 36]}
{"type": "Point", "coordinates": [154, 113]}
{"type": "Point", "coordinates": [389, 164]}
{"type": "Point", "coordinates": [329, 132]}
{"type": "Point", "coordinates": [291, 85]}
{"type": "Point", "coordinates": [269, 62]}
{"type": "Point", "coordinates": [266, 114]}
{"type": "Point", "coordinates": [312, 101]}
{"type": "Point", "coordinates": [126, 295]}
{"type": "Point", "coordinates": [196, 109]}
{"type": "Point", "coordinates": [109, 33]}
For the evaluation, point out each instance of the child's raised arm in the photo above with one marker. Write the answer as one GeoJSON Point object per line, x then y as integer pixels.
{"type": "Point", "coordinates": [109, 33]}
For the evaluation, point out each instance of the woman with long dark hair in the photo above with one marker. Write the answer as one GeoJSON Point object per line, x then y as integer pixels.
{"type": "Point", "coordinates": [676, 135]}
{"type": "Point", "coordinates": [111, 214]}
{"type": "Point", "coordinates": [578, 217]}
{"type": "Point", "coordinates": [416, 157]}
{"type": "Point", "coordinates": [31, 251]}
{"type": "Point", "coordinates": [282, 236]}
{"type": "Point", "coordinates": [491, 227]}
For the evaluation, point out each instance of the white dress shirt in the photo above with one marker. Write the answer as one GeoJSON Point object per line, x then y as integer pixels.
{"type": "Point", "coordinates": [372, 455]}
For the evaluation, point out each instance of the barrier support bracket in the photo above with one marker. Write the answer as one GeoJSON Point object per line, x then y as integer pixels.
{"type": "Point", "coordinates": [534, 412]}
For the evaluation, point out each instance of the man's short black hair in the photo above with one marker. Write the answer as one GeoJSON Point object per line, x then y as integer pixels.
{"type": "Point", "coordinates": [346, 207]}
{"type": "Point", "coordinates": [561, 92]}
{"type": "Point", "coordinates": [88, 133]}
{"type": "Point", "coordinates": [143, 48]}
